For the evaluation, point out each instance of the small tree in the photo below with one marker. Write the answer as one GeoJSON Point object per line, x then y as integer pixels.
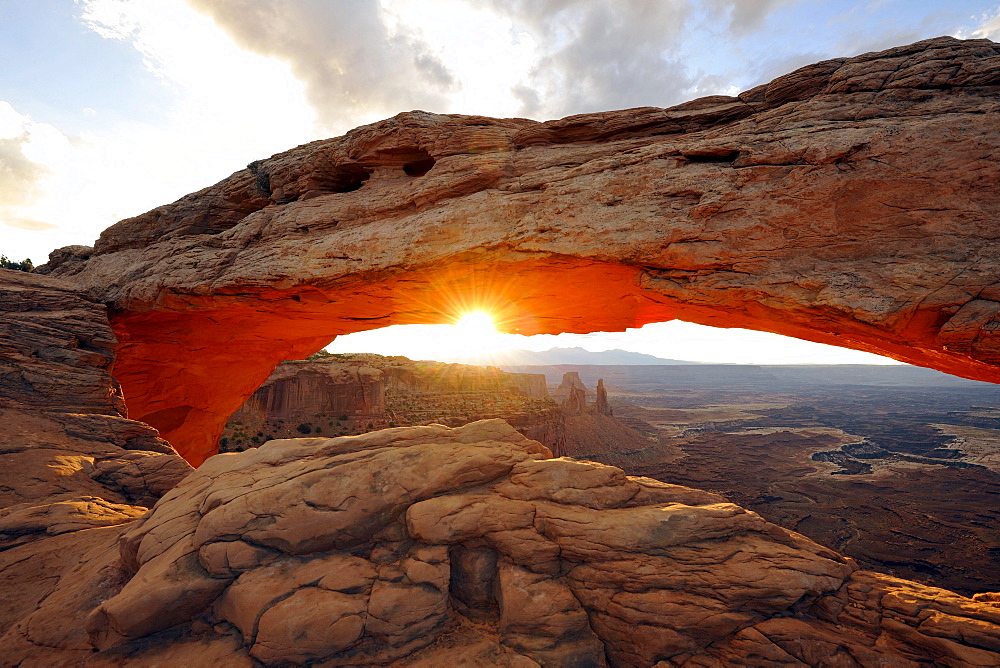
{"type": "Point", "coordinates": [24, 265]}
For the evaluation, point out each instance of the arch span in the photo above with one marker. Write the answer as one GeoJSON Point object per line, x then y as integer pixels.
{"type": "Point", "coordinates": [851, 202]}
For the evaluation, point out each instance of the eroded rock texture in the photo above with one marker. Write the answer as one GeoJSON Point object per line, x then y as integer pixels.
{"type": "Point", "coordinates": [64, 432]}
{"type": "Point", "coordinates": [850, 202]}
{"type": "Point", "coordinates": [74, 471]}
{"type": "Point", "coordinates": [342, 395]}
{"type": "Point", "coordinates": [430, 546]}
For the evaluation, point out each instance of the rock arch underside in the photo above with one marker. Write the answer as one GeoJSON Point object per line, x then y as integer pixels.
{"type": "Point", "coordinates": [852, 202]}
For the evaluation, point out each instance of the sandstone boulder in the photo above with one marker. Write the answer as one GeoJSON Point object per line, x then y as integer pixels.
{"type": "Point", "coordinates": [428, 546]}
{"type": "Point", "coordinates": [353, 550]}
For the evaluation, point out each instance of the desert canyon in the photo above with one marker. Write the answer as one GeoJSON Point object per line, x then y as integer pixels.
{"type": "Point", "coordinates": [852, 201]}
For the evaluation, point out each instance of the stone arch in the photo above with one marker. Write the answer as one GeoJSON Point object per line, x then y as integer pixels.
{"type": "Point", "coordinates": [851, 202]}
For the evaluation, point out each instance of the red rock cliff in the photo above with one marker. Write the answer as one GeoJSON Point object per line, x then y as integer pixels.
{"type": "Point", "coordinates": [352, 394]}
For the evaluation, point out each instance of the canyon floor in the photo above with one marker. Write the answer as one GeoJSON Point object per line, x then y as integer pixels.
{"type": "Point", "coordinates": [896, 467]}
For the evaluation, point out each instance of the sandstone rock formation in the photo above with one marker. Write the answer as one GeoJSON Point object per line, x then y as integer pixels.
{"type": "Point", "coordinates": [74, 471]}
{"type": "Point", "coordinates": [572, 394]}
{"type": "Point", "coordinates": [592, 434]}
{"type": "Point", "coordinates": [431, 546]}
{"type": "Point", "coordinates": [601, 405]}
{"type": "Point", "coordinates": [850, 202]}
{"type": "Point", "coordinates": [70, 453]}
{"type": "Point", "coordinates": [348, 394]}
{"type": "Point", "coordinates": [591, 429]}
{"type": "Point", "coordinates": [302, 391]}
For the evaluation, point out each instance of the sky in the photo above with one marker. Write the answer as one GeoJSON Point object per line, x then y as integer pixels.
{"type": "Point", "coordinates": [109, 108]}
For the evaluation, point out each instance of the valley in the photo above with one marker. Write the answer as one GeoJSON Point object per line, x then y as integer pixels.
{"type": "Point", "coordinates": [898, 471]}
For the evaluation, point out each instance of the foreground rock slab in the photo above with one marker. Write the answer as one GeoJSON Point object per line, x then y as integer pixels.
{"type": "Point", "coordinates": [851, 202]}
{"type": "Point", "coordinates": [425, 546]}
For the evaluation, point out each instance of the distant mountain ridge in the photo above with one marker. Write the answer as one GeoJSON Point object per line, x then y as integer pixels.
{"type": "Point", "coordinates": [616, 357]}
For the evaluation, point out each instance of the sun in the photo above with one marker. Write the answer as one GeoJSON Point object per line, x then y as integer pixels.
{"type": "Point", "coordinates": [474, 336]}
{"type": "Point", "coordinates": [476, 323]}
{"type": "Point", "coordinates": [471, 337]}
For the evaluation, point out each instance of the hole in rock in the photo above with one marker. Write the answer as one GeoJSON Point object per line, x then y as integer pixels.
{"type": "Point", "coordinates": [340, 179]}
{"type": "Point", "coordinates": [712, 155]}
{"type": "Point", "coordinates": [473, 582]}
{"type": "Point", "coordinates": [413, 161]}
{"type": "Point", "coordinates": [419, 167]}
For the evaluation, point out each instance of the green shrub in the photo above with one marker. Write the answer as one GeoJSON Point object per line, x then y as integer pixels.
{"type": "Point", "coordinates": [263, 179]}
{"type": "Point", "coordinates": [304, 428]}
{"type": "Point", "coordinates": [24, 265]}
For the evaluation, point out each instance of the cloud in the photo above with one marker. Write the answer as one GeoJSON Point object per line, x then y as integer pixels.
{"type": "Point", "coordinates": [598, 55]}
{"type": "Point", "coordinates": [22, 176]}
{"type": "Point", "coordinates": [989, 28]}
{"type": "Point", "coordinates": [19, 177]}
{"type": "Point", "coordinates": [361, 61]}
{"type": "Point", "coordinates": [27, 224]}
{"type": "Point", "coordinates": [219, 107]}
{"type": "Point", "coordinates": [352, 65]}
{"type": "Point", "coordinates": [744, 16]}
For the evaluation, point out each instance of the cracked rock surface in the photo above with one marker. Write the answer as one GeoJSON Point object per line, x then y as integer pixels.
{"type": "Point", "coordinates": [424, 546]}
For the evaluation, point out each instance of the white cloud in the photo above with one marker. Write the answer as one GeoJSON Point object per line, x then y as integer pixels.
{"type": "Point", "coordinates": [540, 58]}
{"type": "Point", "coordinates": [355, 69]}
{"type": "Point", "coordinates": [745, 16]}
{"type": "Point", "coordinates": [989, 28]}
{"type": "Point", "coordinates": [485, 53]}
{"type": "Point", "coordinates": [228, 107]}
{"type": "Point", "coordinates": [27, 149]}
{"type": "Point", "coordinates": [597, 55]}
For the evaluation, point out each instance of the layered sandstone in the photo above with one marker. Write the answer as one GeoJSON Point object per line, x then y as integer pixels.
{"type": "Point", "coordinates": [850, 202]}
{"type": "Point", "coordinates": [74, 470]}
{"type": "Point", "coordinates": [469, 546]}
{"type": "Point", "coordinates": [70, 452]}
{"type": "Point", "coordinates": [349, 394]}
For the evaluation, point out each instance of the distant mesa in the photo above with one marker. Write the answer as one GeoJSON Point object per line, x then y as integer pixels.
{"type": "Point", "coordinates": [352, 393]}
{"type": "Point", "coordinates": [578, 355]}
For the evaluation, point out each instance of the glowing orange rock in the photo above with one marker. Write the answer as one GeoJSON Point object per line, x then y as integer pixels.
{"type": "Point", "coordinates": [852, 202]}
